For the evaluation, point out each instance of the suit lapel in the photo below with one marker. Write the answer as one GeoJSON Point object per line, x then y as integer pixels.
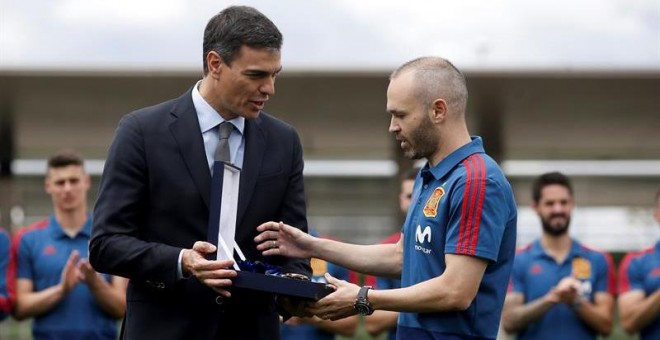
{"type": "Point", "coordinates": [255, 146]}
{"type": "Point", "coordinates": [186, 132]}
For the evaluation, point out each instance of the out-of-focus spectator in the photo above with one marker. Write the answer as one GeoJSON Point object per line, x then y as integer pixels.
{"type": "Point", "coordinates": [55, 283]}
{"type": "Point", "coordinates": [639, 289]}
{"type": "Point", "coordinates": [559, 288]}
{"type": "Point", "coordinates": [5, 279]}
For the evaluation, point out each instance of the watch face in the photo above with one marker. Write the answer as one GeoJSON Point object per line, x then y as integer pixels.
{"type": "Point", "coordinates": [363, 309]}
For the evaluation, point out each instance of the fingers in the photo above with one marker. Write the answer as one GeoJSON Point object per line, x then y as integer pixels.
{"type": "Point", "coordinates": [296, 307]}
{"type": "Point", "coordinates": [333, 314]}
{"type": "Point", "coordinates": [266, 236]}
{"type": "Point", "coordinates": [72, 260]}
{"type": "Point", "coordinates": [215, 274]}
{"type": "Point", "coordinates": [71, 275]}
{"type": "Point", "coordinates": [223, 292]}
{"type": "Point", "coordinates": [71, 265]}
{"type": "Point", "coordinates": [204, 265]}
{"type": "Point", "coordinates": [331, 279]}
{"type": "Point", "coordinates": [85, 267]}
{"type": "Point", "coordinates": [269, 247]}
{"type": "Point", "coordinates": [220, 285]}
{"type": "Point", "coordinates": [269, 226]}
{"type": "Point", "coordinates": [194, 259]}
{"type": "Point", "coordinates": [204, 247]}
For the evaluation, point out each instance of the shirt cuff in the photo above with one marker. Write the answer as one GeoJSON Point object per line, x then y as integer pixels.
{"type": "Point", "coordinates": [179, 269]}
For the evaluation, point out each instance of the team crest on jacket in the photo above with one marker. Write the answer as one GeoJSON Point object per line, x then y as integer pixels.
{"type": "Point", "coordinates": [431, 207]}
{"type": "Point", "coordinates": [581, 268]}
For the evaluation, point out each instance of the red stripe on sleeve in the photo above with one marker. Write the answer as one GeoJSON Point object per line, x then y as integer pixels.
{"type": "Point", "coordinates": [480, 204]}
{"type": "Point", "coordinates": [464, 211]}
{"type": "Point", "coordinates": [611, 278]}
{"type": "Point", "coordinates": [5, 303]}
{"type": "Point", "coordinates": [469, 226]}
{"type": "Point", "coordinates": [509, 287]}
{"type": "Point", "coordinates": [12, 269]}
{"type": "Point", "coordinates": [624, 281]}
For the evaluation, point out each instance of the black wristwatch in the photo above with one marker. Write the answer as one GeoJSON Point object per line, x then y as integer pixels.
{"type": "Point", "coordinates": [362, 305]}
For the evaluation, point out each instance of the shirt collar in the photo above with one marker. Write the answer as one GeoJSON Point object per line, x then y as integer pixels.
{"type": "Point", "coordinates": [576, 249]}
{"type": "Point", "coordinates": [538, 251]}
{"type": "Point", "coordinates": [446, 165]}
{"type": "Point", "coordinates": [208, 117]}
{"type": "Point", "coordinates": [58, 232]}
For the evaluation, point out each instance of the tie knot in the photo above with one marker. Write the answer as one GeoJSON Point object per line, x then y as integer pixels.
{"type": "Point", "coordinates": [225, 129]}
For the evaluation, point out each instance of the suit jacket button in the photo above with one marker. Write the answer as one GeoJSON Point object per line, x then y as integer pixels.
{"type": "Point", "coordinates": [220, 300]}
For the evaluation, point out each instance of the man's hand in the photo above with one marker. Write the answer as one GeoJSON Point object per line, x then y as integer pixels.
{"type": "Point", "coordinates": [295, 307]}
{"type": "Point", "coordinates": [566, 291]}
{"type": "Point", "coordinates": [87, 274]}
{"type": "Point", "coordinates": [339, 304]}
{"type": "Point", "coordinates": [282, 239]}
{"type": "Point", "coordinates": [215, 274]}
{"type": "Point", "coordinates": [70, 274]}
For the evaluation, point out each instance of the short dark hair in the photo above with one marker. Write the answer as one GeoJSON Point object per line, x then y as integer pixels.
{"type": "Point", "coordinates": [64, 158]}
{"type": "Point", "coordinates": [236, 26]}
{"type": "Point", "coordinates": [436, 77]}
{"type": "Point", "coordinates": [550, 178]}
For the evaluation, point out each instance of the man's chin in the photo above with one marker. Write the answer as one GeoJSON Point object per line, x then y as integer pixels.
{"type": "Point", "coordinates": [69, 207]}
{"type": "Point", "coordinates": [555, 231]}
{"type": "Point", "coordinates": [251, 114]}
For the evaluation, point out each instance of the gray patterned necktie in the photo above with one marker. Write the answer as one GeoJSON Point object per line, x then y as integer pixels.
{"type": "Point", "coordinates": [222, 150]}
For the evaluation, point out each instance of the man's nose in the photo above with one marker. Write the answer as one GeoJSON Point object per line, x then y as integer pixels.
{"type": "Point", "coordinates": [268, 87]}
{"type": "Point", "coordinates": [393, 126]}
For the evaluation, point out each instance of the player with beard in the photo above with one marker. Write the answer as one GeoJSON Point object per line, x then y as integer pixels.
{"type": "Point", "coordinates": [559, 288]}
{"type": "Point", "coordinates": [457, 244]}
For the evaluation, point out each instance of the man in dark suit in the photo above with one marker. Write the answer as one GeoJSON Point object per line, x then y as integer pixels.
{"type": "Point", "coordinates": [152, 214]}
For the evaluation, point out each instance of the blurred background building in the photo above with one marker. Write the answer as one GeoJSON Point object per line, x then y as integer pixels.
{"type": "Point", "coordinates": [550, 89]}
{"type": "Point", "coordinates": [600, 127]}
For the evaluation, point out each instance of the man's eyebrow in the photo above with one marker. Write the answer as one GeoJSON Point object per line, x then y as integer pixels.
{"type": "Point", "coordinates": [261, 71]}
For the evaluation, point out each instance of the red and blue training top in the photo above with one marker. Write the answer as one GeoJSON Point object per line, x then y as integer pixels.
{"type": "Point", "coordinates": [464, 206]}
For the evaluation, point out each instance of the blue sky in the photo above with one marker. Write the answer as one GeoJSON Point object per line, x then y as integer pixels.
{"type": "Point", "coordinates": [338, 34]}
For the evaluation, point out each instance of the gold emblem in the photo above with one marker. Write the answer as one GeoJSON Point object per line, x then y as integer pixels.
{"type": "Point", "coordinates": [581, 268]}
{"type": "Point", "coordinates": [319, 267]}
{"type": "Point", "coordinates": [431, 207]}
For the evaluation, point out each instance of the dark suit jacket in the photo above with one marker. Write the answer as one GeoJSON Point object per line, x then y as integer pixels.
{"type": "Point", "coordinates": [154, 201]}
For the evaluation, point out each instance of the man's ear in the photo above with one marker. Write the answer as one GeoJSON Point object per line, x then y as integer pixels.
{"type": "Point", "coordinates": [535, 206]}
{"type": "Point", "coordinates": [214, 63]}
{"type": "Point", "coordinates": [439, 110]}
{"type": "Point", "coordinates": [47, 185]}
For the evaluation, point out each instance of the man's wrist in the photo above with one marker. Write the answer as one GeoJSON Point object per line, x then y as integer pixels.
{"type": "Point", "coordinates": [62, 290]}
{"type": "Point", "coordinates": [316, 244]}
{"type": "Point", "coordinates": [362, 305]}
{"type": "Point", "coordinates": [578, 302]}
{"type": "Point", "coordinates": [181, 273]}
